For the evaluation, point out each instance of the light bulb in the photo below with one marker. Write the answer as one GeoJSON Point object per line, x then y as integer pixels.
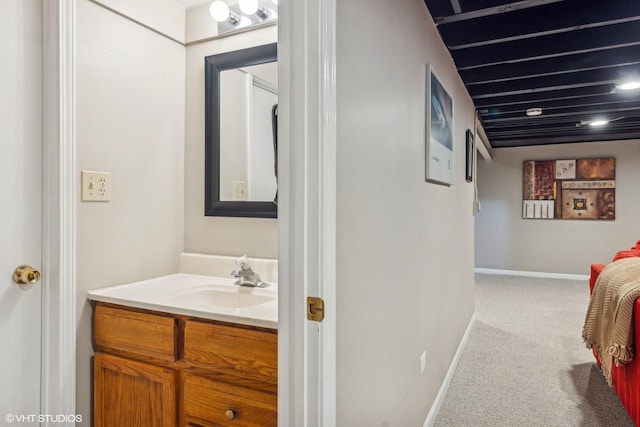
{"type": "Point", "coordinates": [274, 2]}
{"type": "Point", "coordinates": [249, 7]}
{"type": "Point", "coordinates": [597, 123]}
{"type": "Point", "coordinates": [219, 11]}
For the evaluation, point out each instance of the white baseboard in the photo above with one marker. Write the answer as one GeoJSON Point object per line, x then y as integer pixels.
{"type": "Point", "coordinates": [437, 403]}
{"type": "Point", "coordinates": [533, 274]}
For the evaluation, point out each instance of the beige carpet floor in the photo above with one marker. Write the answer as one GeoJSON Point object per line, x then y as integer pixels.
{"type": "Point", "coordinates": [525, 363]}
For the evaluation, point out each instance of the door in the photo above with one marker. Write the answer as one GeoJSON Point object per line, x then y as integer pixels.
{"type": "Point", "coordinates": [20, 188]}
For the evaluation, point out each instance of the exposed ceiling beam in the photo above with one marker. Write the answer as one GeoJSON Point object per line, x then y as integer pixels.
{"type": "Point", "coordinates": [553, 18]}
{"type": "Point", "coordinates": [512, 142]}
{"type": "Point", "coordinates": [628, 55]}
{"type": "Point", "coordinates": [529, 90]}
{"type": "Point", "coordinates": [564, 94]}
{"type": "Point", "coordinates": [577, 79]}
{"type": "Point", "coordinates": [483, 145]}
{"type": "Point", "coordinates": [547, 117]}
{"type": "Point", "coordinates": [544, 33]}
{"type": "Point", "coordinates": [492, 11]}
{"type": "Point", "coordinates": [455, 5]}
{"type": "Point", "coordinates": [552, 55]}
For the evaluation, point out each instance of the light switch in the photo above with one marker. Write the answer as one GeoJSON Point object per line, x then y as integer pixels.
{"type": "Point", "coordinates": [96, 186]}
{"type": "Point", "coordinates": [239, 191]}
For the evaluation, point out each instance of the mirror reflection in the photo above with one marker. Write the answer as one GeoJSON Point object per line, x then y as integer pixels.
{"type": "Point", "coordinates": [248, 96]}
{"type": "Point", "coordinates": [241, 97]}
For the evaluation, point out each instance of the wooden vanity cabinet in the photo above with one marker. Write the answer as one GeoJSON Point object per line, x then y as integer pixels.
{"type": "Point", "coordinates": [157, 369]}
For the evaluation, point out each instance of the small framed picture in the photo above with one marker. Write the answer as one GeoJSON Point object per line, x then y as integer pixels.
{"type": "Point", "coordinates": [439, 131]}
{"type": "Point", "coordinates": [471, 148]}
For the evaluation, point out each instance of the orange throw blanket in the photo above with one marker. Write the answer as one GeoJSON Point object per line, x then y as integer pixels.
{"type": "Point", "coordinates": [608, 326]}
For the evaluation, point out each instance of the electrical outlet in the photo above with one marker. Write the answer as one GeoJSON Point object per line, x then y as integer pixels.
{"type": "Point", "coordinates": [96, 186]}
{"type": "Point", "coordinates": [423, 361]}
{"type": "Point", "coordinates": [239, 191]}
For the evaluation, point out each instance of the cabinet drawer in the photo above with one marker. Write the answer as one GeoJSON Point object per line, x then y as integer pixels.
{"type": "Point", "coordinates": [131, 332]}
{"type": "Point", "coordinates": [208, 403]}
{"type": "Point", "coordinates": [245, 357]}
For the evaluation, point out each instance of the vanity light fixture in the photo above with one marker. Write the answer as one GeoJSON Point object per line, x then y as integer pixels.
{"type": "Point", "coordinates": [253, 7]}
{"type": "Point", "coordinates": [232, 15]}
{"type": "Point", "coordinates": [220, 11]}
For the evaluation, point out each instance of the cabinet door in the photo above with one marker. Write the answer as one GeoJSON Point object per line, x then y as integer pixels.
{"type": "Point", "coordinates": [133, 394]}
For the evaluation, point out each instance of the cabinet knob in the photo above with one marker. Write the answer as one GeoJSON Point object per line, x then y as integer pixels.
{"type": "Point", "coordinates": [230, 414]}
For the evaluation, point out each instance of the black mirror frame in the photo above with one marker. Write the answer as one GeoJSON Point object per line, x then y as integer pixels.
{"type": "Point", "coordinates": [213, 65]}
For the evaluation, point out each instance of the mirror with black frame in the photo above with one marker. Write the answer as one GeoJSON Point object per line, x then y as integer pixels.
{"type": "Point", "coordinates": [241, 98]}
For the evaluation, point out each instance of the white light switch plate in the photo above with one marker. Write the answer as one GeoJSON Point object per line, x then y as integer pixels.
{"type": "Point", "coordinates": [239, 191]}
{"type": "Point", "coordinates": [96, 186]}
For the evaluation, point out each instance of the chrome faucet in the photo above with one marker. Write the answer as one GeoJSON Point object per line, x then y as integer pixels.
{"type": "Point", "coordinates": [246, 276]}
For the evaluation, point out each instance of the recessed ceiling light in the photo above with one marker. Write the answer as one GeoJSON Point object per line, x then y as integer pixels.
{"type": "Point", "coordinates": [593, 123]}
{"type": "Point", "coordinates": [596, 123]}
{"type": "Point", "coordinates": [534, 111]}
{"type": "Point", "coordinates": [631, 85]}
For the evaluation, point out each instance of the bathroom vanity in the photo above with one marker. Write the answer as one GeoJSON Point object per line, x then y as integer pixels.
{"type": "Point", "coordinates": [166, 361]}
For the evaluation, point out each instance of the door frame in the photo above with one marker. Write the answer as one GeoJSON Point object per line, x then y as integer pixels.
{"type": "Point", "coordinates": [307, 211]}
{"type": "Point", "coordinates": [58, 375]}
{"type": "Point", "coordinates": [307, 378]}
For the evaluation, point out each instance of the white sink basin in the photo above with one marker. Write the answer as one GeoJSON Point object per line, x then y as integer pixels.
{"type": "Point", "coordinates": [206, 297]}
{"type": "Point", "coordinates": [223, 296]}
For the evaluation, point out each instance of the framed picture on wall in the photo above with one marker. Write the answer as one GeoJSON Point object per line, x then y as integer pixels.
{"type": "Point", "coordinates": [583, 189]}
{"type": "Point", "coordinates": [439, 131]}
{"type": "Point", "coordinates": [470, 156]}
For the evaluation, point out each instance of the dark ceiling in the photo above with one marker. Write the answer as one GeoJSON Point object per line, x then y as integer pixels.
{"type": "Point", "coordinates": [564, 56]}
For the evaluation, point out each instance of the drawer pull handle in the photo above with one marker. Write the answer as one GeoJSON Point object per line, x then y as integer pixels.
{"type": "Point", "coordinates": [230, 414]}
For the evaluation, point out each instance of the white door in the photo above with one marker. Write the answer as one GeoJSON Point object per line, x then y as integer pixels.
{"type": "Point", "coordinates": [20, 189]}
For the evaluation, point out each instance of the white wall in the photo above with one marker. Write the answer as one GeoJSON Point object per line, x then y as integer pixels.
{"type": "Point", "coordinates": [130, 115]}
{"type": "Point", "coordinates": [405, 247]}
{"type": "Point", "coordinates": [506, 241]}
{"type": "Point", "coordinates": [164, 16]}
{"type": "Point", "coordinates": [255, 237]}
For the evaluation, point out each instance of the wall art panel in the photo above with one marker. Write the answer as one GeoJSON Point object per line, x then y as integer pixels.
{"type": "Point", "coordinates": [569, 189]}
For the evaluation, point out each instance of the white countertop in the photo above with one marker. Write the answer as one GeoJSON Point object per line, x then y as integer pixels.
{"type": "Point", "coordinates": [206, 297]}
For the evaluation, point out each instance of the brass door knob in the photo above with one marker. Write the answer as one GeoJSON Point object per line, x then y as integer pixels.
{"type": "Point", "coordinates": [230, 414]}
{"type": "Point", "coordinates": [25, 274]}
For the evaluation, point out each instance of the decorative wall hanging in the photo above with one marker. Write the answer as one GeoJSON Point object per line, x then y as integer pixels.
{"type": "Point", "coordinates": [470, 156]}
{"type": "Point", "coordinates": [569, 189]}
{"type": "Point", "coordinates": [439, 131]}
